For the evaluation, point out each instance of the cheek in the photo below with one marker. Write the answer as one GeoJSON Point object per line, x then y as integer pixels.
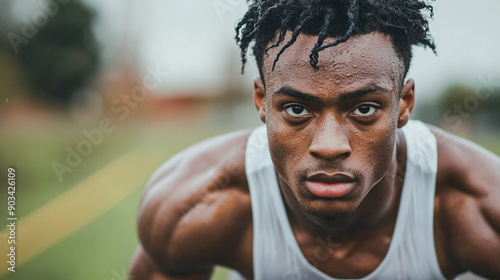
{"type": "Point", "coordinates": [286, 147]}
{"type": "Point", "coordinates": [378, 149]}
{"type": "Point", "coordinates": [383, 136]}
{"type": "Point", "coordinates": [280, 145]}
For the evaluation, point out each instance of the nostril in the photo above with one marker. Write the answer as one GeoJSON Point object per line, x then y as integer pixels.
{"type": "Point", "coordinates": [330, 147]}
{"type": "Point", "coordinates": [330, 152]}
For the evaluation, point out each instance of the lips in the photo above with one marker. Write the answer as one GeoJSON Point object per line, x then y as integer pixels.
{"type": "Point", "coordinates": [330, 185]}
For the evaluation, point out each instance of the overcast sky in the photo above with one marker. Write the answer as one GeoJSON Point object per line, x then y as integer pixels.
{"type": "Point", "coordinates": [193, 40]}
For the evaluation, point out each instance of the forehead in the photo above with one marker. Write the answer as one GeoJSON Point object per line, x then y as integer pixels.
{"type": "Point", "coordinates": [363, 59]}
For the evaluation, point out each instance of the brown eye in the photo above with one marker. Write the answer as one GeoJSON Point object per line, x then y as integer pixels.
{"type": "Point", "coordinates": [296, 111]}
{"type": "Point", "coordinates": [365, 110]}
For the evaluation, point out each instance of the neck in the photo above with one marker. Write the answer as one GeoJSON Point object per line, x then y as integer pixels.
{"type": "Point", "coordinates": [380, 206]}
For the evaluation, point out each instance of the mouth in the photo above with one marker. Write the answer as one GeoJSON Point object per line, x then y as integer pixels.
{"type": "Point", "coordinates": [326, 185]}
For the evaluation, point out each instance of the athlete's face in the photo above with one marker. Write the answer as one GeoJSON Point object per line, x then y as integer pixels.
{"type": "Point", "coordinates": [332, 131]}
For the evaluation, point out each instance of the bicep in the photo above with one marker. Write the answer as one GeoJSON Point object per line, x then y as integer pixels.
{"type": "Point", "coordinates": [475, 241]}
{"type": "Point", "coordinates": [469, 192]}
{"type": "Point", "coordinates": [143, 268]}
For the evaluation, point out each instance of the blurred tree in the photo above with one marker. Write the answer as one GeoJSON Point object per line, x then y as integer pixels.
{"type": "Point", "coordinates": [477, 107]}
{"type": "Point", "coordinates": [61, 56]}
{"type": "Point", "coordinates": [454, 94]}
{"type": "Point", "coordinates": [9, 69]}
{"type": "Point", "coordinates": [4, 19]}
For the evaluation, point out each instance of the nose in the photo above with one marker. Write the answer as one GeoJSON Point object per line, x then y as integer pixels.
{"type": "Point", "coordinates": [330, 141]}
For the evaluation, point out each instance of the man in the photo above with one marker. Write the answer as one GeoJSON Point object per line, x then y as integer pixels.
{"type": "Point", "coordinates": [339, 183]}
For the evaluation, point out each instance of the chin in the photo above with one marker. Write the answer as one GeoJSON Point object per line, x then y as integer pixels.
{"type": "Point", "coordinates": [329, 218]}
{"type": "Point", "coordinates": [329, 210]}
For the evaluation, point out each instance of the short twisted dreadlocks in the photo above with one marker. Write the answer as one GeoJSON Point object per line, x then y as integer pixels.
{"type": "Point", "coordinates": [405, 21]}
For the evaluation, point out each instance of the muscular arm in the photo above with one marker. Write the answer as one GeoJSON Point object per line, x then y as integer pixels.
{"type": "Point", "coordinates": [468, 205]}
{"type": "Point", "coordinates": [194, 212]}
{"type": "Point", "coordinates": [143, 268]}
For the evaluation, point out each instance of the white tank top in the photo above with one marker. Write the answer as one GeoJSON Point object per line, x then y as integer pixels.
{"type": "Point", "coordinates": [411, 254]}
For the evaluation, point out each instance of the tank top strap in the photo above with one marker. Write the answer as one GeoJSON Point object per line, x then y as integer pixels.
{"type": "Point", "coordinates": [421, 167]}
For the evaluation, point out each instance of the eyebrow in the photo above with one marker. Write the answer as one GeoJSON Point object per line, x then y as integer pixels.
{"type": "Point", "coordinates": [368, 89]}
{"type": "Point", "coordinates": [296, 94]}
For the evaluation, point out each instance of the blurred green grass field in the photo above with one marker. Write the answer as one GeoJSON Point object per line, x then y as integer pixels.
{"type": "Point", "coordinates": [101, 249]}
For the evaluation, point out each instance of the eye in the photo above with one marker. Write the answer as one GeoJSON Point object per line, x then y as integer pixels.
{"type": "Point", "coordinates": [365, 110]}
{"type": "Point", "coordinates": [296, 111]}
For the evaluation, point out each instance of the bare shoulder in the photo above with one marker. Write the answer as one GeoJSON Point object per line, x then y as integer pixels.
{"type": "Point", "coordinates": [467, 195]}
{"type": "Point", "coordinates": [469, 167]}
{"type": "Point", "coordinates": [196, 207]}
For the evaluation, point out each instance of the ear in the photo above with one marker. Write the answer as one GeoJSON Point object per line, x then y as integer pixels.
{"type": "Point", "coordinates": [406, 102]}
{"type": "Point", "coordinates": [259, 98]}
